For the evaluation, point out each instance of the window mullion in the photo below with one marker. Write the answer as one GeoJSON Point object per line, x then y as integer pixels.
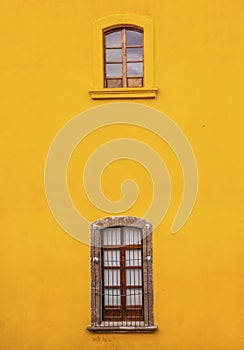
{"type": "Point", "coordinates": [124, 57]}
{"type": "Point", "coordinates": [123, 287]}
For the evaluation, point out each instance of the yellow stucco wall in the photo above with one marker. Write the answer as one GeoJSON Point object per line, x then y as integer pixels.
{"type": "Point", "coordinates": [46, 75]}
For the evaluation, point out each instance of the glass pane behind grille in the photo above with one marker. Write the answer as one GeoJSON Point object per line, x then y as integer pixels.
{"type": "Point", "coordinates": [133, 277]}
{"type": "Point", "coordinates": [111, 236]}
{"type": "Point", "coordinates": [112, 297]}
{"type": "Point", "coordinates": [132, 235]}
{"type": "Point", "coordinates": [134, 296]}
{"type": "Point", "coordinates": [111, 257]}
{"type": "Point", "coordinates": [133, 257]}
{"type": "Point", "coordinates": [111, 277]}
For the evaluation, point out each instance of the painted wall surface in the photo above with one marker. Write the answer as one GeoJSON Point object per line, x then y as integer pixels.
{"type": "Point", "coordinates": [46, 75]}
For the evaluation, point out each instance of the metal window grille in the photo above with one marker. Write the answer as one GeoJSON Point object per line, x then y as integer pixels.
{"type": "Point", "coordinates": [122, 277]}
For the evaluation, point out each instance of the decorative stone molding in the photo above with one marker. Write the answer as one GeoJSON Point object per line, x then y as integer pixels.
{"type": "Point", "coordinates": [97, 324]}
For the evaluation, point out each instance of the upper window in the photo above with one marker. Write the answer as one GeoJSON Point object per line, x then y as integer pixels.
{"type": "Point", "coordinates": [123, 58]}
{"type": "Point", "coordinates": [121, 275]}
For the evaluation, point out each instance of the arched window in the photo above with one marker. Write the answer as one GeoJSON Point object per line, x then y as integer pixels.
{"type": "Point", "coordinates": [123, 58]}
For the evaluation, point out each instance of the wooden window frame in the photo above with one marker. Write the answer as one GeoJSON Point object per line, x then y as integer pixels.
{"type": "Point", "coordinates": [125, 77]}
{"type": "Point", "coordinates": [123, 309]}
{"type": "Point", "coordinates": [97, 90]}
{"type": "Point", "coordinates": [98, 324]}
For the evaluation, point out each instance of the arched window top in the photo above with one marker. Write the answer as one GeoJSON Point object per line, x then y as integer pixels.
{"type": "Point", "coordinates": [123, 57]}
{"type": "Point", "coordinates": [133, 36]}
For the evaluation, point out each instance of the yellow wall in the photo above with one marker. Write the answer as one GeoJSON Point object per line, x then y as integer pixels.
{"type": "Point", "coordinates": [198, 273]}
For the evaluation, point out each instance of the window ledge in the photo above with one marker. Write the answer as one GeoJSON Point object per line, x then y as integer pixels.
{"type": "Point", "coordinates": [121, 93]}
{"type": "Point", "coordinates": [122, 329]}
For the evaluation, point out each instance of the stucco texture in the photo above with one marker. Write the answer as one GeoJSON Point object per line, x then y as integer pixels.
{"type": "Point", "coordinates": [46, 64]}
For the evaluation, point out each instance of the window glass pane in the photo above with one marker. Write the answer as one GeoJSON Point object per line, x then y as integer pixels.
{"type": "Point", "coordinates": [112, 277]}
{"type": "Point", "coordinates": [132, 235]}
{"type": "Point", "coordinates": [113, 39]}
{"type": "Point", "coordinates": [111, 257]}
{"type": "Point", "coordinates": [134, 54]}
{"type": "Point", "coordinates": [114, 70]}
{"type": "Point", "coordinates": [133, 38]}
{"type": "Point", "coordinates": [135, 69]}
{"type": "Point", "coordinates": [111, 236]}
{"type": "Point", "coordinates": [133, 257]}
{"type": "Point", "coordinates": [133, 296]}
{"type": "Point", "coordinates": [133, 277]}
{"type": "Point", "coordinates": [112, 297]}
{"type": "Point", "coordinates": [113, 55]}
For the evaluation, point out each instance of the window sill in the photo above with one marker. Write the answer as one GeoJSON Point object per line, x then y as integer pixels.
{"type": "Point", "coordinates": [122, 93]}
{"type": "Point", "coordinates": [122, 329]}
